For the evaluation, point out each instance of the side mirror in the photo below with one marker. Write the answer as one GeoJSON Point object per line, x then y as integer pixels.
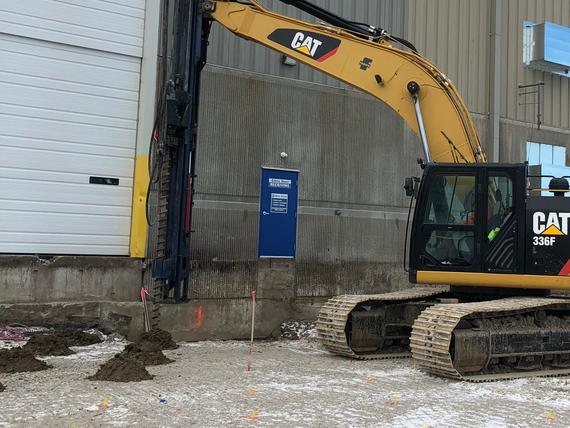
{"type": "Point", "coordinates": [409, 186]}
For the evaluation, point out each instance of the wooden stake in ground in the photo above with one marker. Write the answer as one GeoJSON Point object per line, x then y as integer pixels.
{"type": "Point", "coordinates": [144, 294]}
{"type": "Point", "coordinates": [252, 316]}
{"type": "Point", "coordinates": [250, 349]}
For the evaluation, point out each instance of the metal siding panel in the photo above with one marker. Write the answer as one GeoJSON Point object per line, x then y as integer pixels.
{"type": "Point", "coordinates": [483, 84]}
{"type": "Point", "coordinates": [453, 48]}
{"type": "Point", "coordinates": [230, 51]}
{"type": "Point", "coordinates": [430, 32]}
{"type": "Point", "coordinates": [564, 83]}
{"type": "Point", "coordinates": [464, 54]}
{"type": "Point", "coordinates": [454, 34]}
{"type": "Point", "coordinates": [344, 144]}
{"type": "Point", "coordinates": [556, 111]}
{"type": "Point", "coordinates": [507, 108]}
{"type": "Point", "coordinates": [442, 32]}
{"type": "Point", "coordinates": [71, 116]}
{"type": "Point", "coordinates": [93, 24]}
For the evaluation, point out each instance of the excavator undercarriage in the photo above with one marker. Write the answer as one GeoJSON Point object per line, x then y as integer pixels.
{"type": "Point", "coordinates": [477, 341]}
{"type": "Point", "coordinates": [376, 326]}
{"type": "Point", "coordinates": [493, 340]}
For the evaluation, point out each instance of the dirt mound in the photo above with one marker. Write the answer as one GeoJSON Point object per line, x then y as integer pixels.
{"type": "Point", "coordinates": [159, 337]}
{"type": "Point", "coordinates": [121, 369]}
{"type": "Point", "coordinates": [146, 353]}
{"type": "Point", "coordinates": [48, 344]}
{"type": "Point", "coordinates": [79, 338]}
{"type": "Point", "coordinates": [2, 387]}
{"type": "Point", "coordinates": [18, 360]}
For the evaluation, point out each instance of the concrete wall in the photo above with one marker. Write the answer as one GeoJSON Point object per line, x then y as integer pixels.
{"type": "Point", "coordinates": [31, 279]}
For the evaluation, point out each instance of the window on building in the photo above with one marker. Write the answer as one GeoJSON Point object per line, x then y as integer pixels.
{"type": "Point", "coordinates": [552, 160]}
{"type": "Point", "coordinates": [545, 154]}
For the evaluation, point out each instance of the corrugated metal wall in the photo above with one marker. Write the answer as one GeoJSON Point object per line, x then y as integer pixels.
{"type": "Point", "coordinates": [454, 34]}
{"type": "Point", "coordinates": [556, 89]}
{"type": "Point", "coordinates": [352, 206]}
{"type": "Point", "coordinates": [231, 51]}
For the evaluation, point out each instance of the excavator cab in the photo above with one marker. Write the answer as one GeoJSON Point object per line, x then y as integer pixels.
{"type": "Point", "coordinates": [476, 224]}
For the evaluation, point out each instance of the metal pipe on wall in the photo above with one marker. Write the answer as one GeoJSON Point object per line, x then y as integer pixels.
{"type": "Point", "coordinates": [495, 78]}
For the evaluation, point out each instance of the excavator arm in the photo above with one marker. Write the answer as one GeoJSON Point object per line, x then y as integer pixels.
{"type": "Point", "coordinates": [412, 86]}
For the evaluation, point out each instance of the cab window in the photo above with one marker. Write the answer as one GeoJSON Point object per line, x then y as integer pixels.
{"type": "Point", "coordinates": [451, 201]}
{"type": "Point", "coordinates": [499, 203]}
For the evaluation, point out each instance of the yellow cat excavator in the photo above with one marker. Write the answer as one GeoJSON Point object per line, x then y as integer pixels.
{"type": "Point", "coordinates": [488, 247]}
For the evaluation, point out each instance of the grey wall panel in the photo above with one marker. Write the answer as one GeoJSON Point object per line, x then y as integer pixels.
{"type": "Point", "coordinates": [231, 235]}
{"type": "Point", "coordinates": [515, 135]}
{"type": "Point", "coordinates": [454, 34]}
{"type": "Point", "coordinates": [556, 111]}
{"type": "Point", "coordinates": [345, 143]}
{"type": "Point", "coordinates": [228, 50]}
{"type": "Point", "coordinates": [353, 153]}
{"type": "Point", "coordinates": [350, 239]}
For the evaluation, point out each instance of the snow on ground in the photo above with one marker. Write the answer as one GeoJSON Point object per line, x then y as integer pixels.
{"type": "Point", "coordinates": [282, 383]}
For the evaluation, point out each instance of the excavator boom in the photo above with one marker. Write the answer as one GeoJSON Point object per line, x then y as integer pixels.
{"type": "Point", "coordinates": [375, 66]}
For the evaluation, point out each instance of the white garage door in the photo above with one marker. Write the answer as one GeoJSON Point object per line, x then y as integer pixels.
{"type": "Point", "coordinates": [69, 90]}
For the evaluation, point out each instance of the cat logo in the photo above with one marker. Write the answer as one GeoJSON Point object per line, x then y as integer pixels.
{"type": "Point", "coordinates": [306, 44]}
{"type": "Point", "coordinates": [551, 224]}
{"type": "Point", "coordinates": [319, 47]}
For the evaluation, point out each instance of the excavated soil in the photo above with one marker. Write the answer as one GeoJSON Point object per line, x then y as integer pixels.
{"type": "Point", "coordinates": [129, 365]}
{"type": "Point", "coordinates": [159, 337]}
{"type": "Point", "coordinates": [58, 344]}
{"type": "Point", "coordinates": [122, 369]}
{"type": "Point", "coordinates": [18, 360]}
{"type": "Point", "coordinates": [48, 345]}
{"type": "Point", "coordinates": [79, 338]}
{"type": "Point", "coordinates": [146, 353]}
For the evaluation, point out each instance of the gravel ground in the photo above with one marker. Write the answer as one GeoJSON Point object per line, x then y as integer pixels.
{"type": "Point", "coordinates": [290, 383]}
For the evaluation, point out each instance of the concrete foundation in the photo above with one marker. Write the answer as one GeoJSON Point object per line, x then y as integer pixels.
{"type": "Point", "coordinates": [103, 292]}
{"type": "Point", "coordinates": [29, 279]}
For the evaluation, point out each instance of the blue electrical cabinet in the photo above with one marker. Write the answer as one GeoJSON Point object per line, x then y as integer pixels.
{"type": "Point", "coordinates": [278, 213]}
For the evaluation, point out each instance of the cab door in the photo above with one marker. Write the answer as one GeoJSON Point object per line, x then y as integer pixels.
{"type": "Point", "coordinates": [503, 199]}
{"type": "Point", "coordinates": [447, 221]}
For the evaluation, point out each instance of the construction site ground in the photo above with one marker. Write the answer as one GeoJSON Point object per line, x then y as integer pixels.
{"type": "Point", "coordinates": [280, 383]}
